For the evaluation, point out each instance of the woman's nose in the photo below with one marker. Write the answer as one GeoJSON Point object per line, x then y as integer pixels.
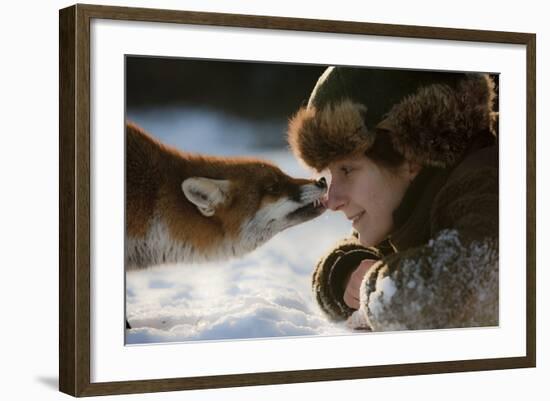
{"type": "Point", "coordinates": [335, 198]}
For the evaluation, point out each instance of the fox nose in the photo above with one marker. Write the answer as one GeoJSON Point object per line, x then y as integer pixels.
{"type": "Point", "coordinates": [321, 183]}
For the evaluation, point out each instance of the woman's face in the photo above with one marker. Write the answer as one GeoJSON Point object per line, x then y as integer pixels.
{"type": "Point", "coordinates": [368, 194]}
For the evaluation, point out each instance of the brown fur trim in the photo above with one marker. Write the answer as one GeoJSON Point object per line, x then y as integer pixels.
{"type": "Point", "coordinates": [434, 126]}
{"type": "Point", "coordinates": [319, 137]}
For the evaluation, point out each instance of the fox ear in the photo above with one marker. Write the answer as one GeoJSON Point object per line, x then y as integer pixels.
{"type": "Point", "coordinates": [205, 193]}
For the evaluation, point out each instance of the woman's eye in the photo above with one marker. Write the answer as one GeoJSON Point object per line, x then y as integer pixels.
{"type": "Point", "coordinates": [346, 170]}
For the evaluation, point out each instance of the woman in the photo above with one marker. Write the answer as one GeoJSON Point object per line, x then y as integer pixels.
{"type": "Point", "coordinates": [413, 164]}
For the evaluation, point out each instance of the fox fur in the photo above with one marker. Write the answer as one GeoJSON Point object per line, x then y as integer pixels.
{"type": "Point", "coordinates": [184, 207]}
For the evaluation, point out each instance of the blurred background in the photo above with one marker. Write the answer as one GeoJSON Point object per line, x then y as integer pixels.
{"type": "Point", "coordinates": [205, 103]}
{"type": "Point", "coordinates": [270, 90]}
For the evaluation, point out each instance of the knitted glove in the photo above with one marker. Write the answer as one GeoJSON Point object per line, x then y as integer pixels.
{"type": "Point", "coordinates": [332, 274]}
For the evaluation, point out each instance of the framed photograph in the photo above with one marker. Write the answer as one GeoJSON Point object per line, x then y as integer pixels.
{"type": "Point", "coordinates": [249, 200]}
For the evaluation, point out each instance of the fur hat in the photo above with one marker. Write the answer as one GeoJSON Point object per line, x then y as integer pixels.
{"type": "Point", "coordinates": [431, 117]}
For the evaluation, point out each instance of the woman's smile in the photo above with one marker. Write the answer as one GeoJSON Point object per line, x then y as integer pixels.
{"type": "Point", "coordinates": [356, 217]}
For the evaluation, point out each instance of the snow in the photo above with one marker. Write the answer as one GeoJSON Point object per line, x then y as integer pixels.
{"type": "Point", "coordinates": [385, 289]}
{"type": "Point", "coordinates": [265, 294]}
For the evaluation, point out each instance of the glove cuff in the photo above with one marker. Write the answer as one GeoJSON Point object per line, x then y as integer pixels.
{"type": "Point", "coordinates": [332, 273]}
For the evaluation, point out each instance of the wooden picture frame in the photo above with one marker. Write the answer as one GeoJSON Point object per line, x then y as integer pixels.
{"type": "Point", "coordinates": [75, 200]}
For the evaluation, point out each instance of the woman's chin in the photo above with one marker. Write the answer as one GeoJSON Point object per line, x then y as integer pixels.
{"type": "Point", "coordinates": [368, 239]}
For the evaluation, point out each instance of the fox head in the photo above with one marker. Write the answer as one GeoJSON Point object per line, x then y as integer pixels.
{"type": "Point", "coordinates": [255, 201]}
{"type": "Point", "coordinates": [191, 208]}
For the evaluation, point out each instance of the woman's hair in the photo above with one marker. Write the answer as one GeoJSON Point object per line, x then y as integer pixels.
{"type": "Point", "coordinates": [383, 152]}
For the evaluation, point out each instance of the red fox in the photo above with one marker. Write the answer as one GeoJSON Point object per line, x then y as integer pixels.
{"type": "Point", "coordinates": [183, 207]}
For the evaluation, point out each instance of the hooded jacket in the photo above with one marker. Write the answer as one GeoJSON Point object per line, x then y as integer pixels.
{"type": "Point", "coordinates": [439, 268]}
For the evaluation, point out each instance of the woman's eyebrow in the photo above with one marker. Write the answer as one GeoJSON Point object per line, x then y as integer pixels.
{"type": "Point", "coordinates": [350, 163]}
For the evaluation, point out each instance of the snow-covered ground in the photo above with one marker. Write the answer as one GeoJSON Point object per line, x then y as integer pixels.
{"type": "Point", "coordinates": [267, 293]}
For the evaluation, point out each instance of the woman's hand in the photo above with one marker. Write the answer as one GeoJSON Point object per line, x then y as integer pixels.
{"type": "Point", "coordinates": [351, 295]}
